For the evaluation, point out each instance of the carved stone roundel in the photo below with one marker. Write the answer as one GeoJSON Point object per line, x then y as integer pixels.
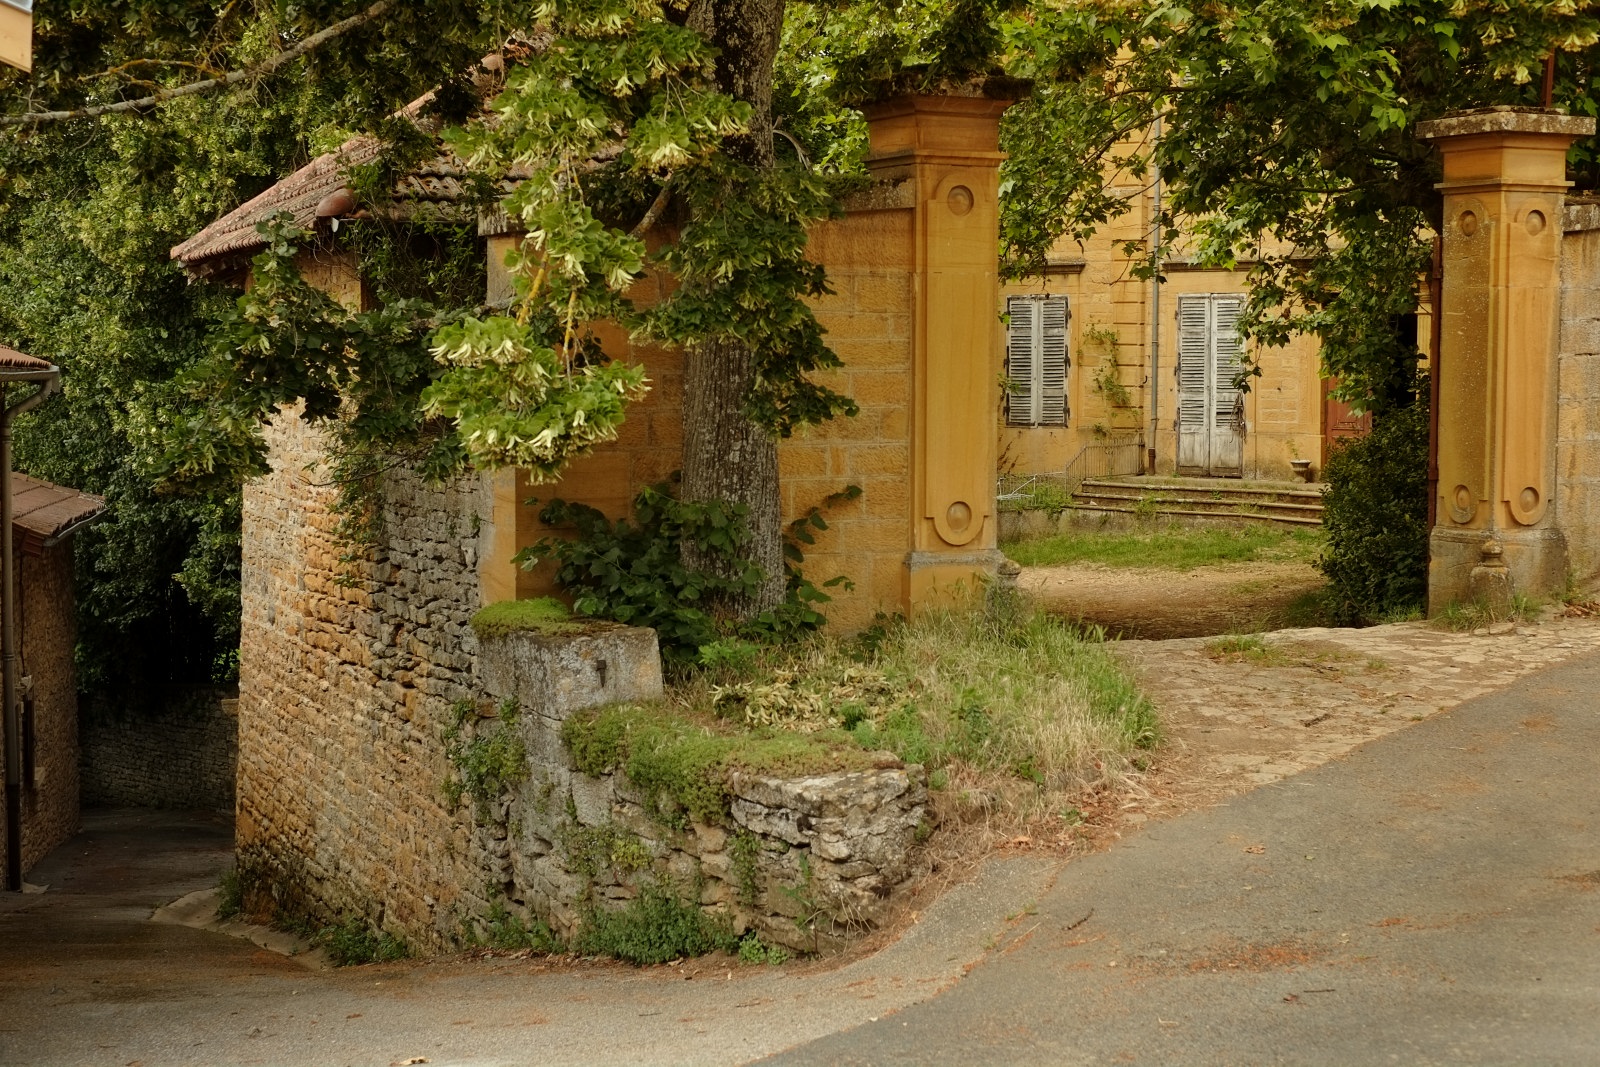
{"type": "Point", "coordinates": [1535, 222]}
{"type": "Point", "coordinates": [1462, 506]}
{"type": "Point", "coordinates": [959, 200]}
{"type": "Point", "coordinates": [1468, 223]}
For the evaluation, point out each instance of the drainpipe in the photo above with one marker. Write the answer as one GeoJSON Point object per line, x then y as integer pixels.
{"type": "Point", "coordinates": [1155, 308]}
{"type": "Point", "coordinates": [14, 368]}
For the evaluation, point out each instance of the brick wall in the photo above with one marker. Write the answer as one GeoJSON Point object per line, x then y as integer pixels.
{"type": "Point", "coordinates": [183, 756]}
{"type": "Point", "coordinates": [1578, 392]}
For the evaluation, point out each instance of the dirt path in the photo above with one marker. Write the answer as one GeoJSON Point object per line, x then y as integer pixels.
{"type": "Point", "coordinates": [1160, 604]}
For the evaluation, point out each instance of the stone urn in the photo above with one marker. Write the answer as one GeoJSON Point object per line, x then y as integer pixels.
{"type": "Point", "coordinates": [1302, 470]}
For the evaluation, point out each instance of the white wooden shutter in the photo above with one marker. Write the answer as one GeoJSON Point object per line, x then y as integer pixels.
{"type": "Point", "coordinates": [1052, 361]}
{"type": "Point", "coordinates": [1023, 399]}
{"type": "Point", "coordinates": [1225, 353]}
{"type": "Point", "coordinates": [1194, 352]}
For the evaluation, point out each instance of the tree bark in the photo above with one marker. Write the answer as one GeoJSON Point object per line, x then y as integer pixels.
{"type": "Point", "coordinates": [727, 456]}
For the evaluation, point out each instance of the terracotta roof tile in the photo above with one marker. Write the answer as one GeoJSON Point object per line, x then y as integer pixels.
{"type": "Point", "coordinates": [298, 194]}
{"type": "Point", "coordinates": [11, 359]}
{"type": "Point", "coordinates": [42, 512]}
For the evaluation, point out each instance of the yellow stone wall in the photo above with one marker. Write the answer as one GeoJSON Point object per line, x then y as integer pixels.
{"type": "Point", "coordinates": [1283, 410]}
{"type": "Point", "coordinates": [913, 317]}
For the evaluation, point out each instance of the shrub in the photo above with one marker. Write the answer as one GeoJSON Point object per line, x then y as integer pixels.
{"type": "Point", "coordinates": [1376, 516]}
{"type": "Point", "coordinates": [633, 571]}
{"type": "Point", "coordinates": [655, 927]}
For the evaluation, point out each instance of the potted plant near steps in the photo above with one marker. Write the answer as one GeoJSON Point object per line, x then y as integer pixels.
{"type": "Point", "coordinates": [1301, 467]}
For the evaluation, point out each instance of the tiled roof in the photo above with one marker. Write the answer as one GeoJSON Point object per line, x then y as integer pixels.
{"type": "Point", "coordinates": [298, 194]}
{"type": "Point", "coordinates": [43, 514]}
{"type": "Point", "coordinates": [11, 359]}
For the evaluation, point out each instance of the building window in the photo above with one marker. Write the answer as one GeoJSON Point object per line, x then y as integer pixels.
{"type": "Point", "coordinates": [1036, 361]}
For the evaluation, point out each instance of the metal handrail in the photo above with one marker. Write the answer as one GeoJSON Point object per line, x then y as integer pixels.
{"type": "Point", "coordinates": [1111, 458]}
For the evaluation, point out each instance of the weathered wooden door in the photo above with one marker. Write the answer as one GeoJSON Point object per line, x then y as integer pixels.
{"type": "Point", "coordinates": [1338, 421]}
{"type": "Point", "coordinates": [1210, 408]}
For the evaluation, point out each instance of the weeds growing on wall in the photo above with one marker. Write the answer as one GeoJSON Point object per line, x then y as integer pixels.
{"type": "Point", "coordinates": [1376, 516]}
{"type": "Point", "coordinates": [657, 926]}
{"type": "Point", "coordinates": [488, 757]}
{"type": "Point", "coordinates": [501, 929]}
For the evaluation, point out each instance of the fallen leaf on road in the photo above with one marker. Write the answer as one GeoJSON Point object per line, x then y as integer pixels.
{"type": "Point", "coordinates": [409, 1063]}
{"type": "Point", "coordinates": [1255, 850]}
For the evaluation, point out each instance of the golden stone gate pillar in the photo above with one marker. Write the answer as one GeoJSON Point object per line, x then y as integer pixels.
{"type": "Point", "coordinates": [1504, 187]}
{"type": "Point", "coordinates": [948, 147]}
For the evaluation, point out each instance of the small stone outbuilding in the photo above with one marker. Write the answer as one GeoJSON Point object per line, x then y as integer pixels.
{"type": "Point", "coordinates": [46, 517]}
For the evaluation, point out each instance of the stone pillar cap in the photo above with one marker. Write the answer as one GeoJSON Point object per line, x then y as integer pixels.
{"type": "Point", "coordinates": [1505, 119]}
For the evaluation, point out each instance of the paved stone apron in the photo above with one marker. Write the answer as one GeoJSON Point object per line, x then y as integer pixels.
{"type": "Point", "coordinates": [1234, 722]}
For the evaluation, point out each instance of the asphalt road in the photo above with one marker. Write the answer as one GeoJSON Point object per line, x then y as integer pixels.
{"type": "Point", "coordinates": [1432, 899]}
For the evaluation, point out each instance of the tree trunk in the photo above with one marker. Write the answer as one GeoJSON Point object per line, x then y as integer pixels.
{"type": "Point", "coordinates": [727, 456]}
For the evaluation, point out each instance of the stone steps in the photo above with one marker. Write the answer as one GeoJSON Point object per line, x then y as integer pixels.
{"type": "Point", "coordinates": [1203, 498]}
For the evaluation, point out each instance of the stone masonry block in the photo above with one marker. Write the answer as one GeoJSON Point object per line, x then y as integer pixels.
{"type": "Point", "coordinates": [560, 673]}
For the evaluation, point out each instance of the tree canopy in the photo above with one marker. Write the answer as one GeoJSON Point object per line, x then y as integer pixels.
{"type": "Point", "coordinates": [1287, 143]}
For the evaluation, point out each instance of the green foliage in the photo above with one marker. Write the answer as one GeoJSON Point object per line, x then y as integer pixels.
{"type": "Point", "coordinates": [230, 893]}
{"type": "Point", "coordinates": [504, 930]}
{"type": "Point", "coordinates": [728, 656]}
{"type": "Point", "coordinates": [682, 764]}
{"type": "Point", "coordinates": [755, 952]}
{"type": "Point", "coordinates": [542, 614]}
{"type": "Point", "coordinates": [1375, 512]}
{"type": "Point", "coordinates": [488, 759]}
{"type": "Point", "coordinates": [355, 942]}
{"type": "Point", "coordinates": [743, 851]}
{"type": "Point", "coordinates": [1284, 126]}
{"type": "Point", "coordinates": [657, 926]}
{"type": "Point", "coordinates": [633, 571]}
{"type": "Point", "coordinates": [595, 850]}
{"type": "Point", "coordinates": [1174, 547]}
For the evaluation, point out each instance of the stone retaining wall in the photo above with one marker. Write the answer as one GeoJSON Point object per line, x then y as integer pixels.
{"type": "Point", "coordinates": [184, 756]}
{"type": "Point", "coordinates": [352, 677]}
{"type": "Point", "coordinates": [802, 861]}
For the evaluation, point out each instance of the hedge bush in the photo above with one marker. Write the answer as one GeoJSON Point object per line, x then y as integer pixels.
{"type": "Point", "coordinates": [1376, 516]}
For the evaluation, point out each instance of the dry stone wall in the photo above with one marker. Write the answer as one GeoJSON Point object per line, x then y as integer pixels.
{"type": "Point", "coordinates": [803, 862]}
{"type": "Point", "coordinates": [182, 756]}
{"type": "Point", "coordinates": [357, 681]}
{"type": "Point", "coordinates": [1578, 393]}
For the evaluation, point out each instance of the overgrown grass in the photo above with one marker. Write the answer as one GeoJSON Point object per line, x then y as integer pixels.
{"type": "Point", "coordinates": [1016, 707]}
{"type": "Point", "coordinates": [1466, 617]}
{"type": "Point", "coordinates": [1171, 547]}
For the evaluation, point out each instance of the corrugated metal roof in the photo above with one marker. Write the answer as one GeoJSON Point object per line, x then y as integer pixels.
{"type": "Point", "coordinates": [42, 513]}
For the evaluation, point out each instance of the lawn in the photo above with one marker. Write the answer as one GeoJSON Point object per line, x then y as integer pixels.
{"type": "Point", "coordinates": [1171, 547]}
